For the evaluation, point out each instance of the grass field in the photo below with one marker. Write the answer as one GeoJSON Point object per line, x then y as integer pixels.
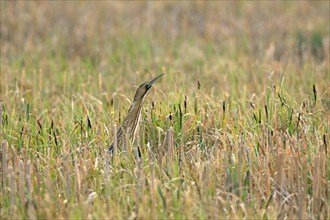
{"type": "Point", "coordinates": [238, 127]}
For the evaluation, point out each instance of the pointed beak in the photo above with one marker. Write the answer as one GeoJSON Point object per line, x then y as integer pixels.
{"type": "Point", "coordinates": [151, 82]}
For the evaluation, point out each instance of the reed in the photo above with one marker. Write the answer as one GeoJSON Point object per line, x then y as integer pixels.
{"type": "Point", "coordinates": [237, 128]}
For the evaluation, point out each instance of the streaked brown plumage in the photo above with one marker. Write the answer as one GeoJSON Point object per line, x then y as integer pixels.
{"type": "Point", "coordinates": [131, 121]}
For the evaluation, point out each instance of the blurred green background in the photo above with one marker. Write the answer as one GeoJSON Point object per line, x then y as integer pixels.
{"type": "Point", "coordinates": [230, 47]}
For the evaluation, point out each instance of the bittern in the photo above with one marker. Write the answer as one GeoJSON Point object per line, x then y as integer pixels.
{"type": "Point", "coordinates": [128, 127]}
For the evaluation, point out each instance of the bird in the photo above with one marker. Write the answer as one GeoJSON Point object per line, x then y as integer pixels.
{"type": "Point", "coordinates": [130, 123]}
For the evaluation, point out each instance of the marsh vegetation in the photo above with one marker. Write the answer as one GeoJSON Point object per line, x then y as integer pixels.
{"type": "Point", "coordinates": [238, 127]}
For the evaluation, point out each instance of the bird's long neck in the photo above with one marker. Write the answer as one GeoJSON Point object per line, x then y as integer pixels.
{"type": "Point", "coordinates": [129, 124]}
{"type": "Point", "coordinates": [133, 117]}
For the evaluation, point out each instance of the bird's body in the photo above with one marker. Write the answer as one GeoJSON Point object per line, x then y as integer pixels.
{"type": "Point", "coordinates": [130, 123]}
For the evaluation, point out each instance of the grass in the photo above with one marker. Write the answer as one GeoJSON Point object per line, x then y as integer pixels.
{"type": "Point", "coordinates": [238, 127]}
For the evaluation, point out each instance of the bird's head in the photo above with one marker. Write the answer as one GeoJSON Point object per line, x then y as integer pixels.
{"type": "Point", "coordinates": [143, 89]}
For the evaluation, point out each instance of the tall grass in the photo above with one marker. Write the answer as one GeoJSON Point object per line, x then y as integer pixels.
{"type": "Point", "coordinates": [237, 128]}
